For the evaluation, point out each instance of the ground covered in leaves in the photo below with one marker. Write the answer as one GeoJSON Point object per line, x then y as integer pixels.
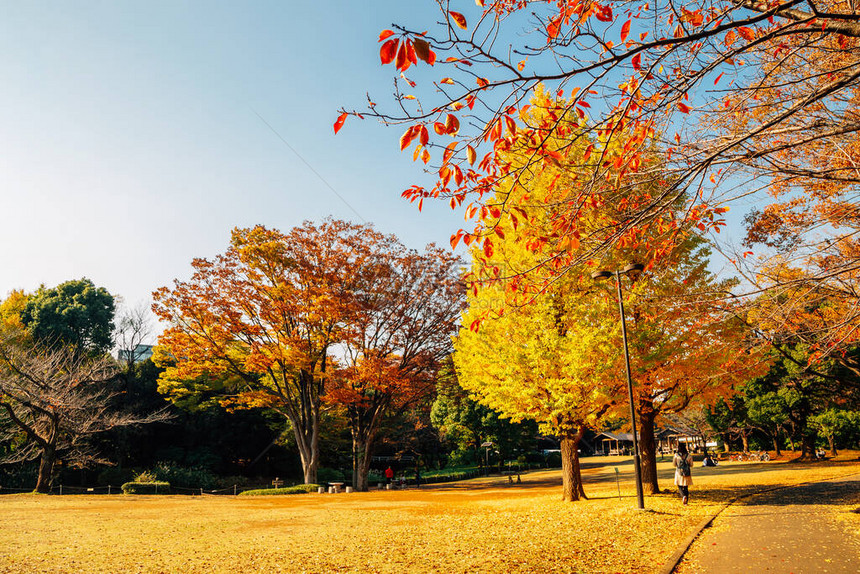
{"type": "Point", "coordinates": [483, 525]}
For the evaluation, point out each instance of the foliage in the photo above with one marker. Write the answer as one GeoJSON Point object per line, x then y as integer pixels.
{"type": "Point", "coordinates": [75, 314]}
{"type": "Point", "coordinates": [149, 487]}
{"type": "Point", "coordinates": [184, 477]}
{"type": "Point", "coordinates": [259, 321]}
{"type": "Point", "coordinates": [58, 398]}
{"type": "Point", "coordinates": [299, 489]}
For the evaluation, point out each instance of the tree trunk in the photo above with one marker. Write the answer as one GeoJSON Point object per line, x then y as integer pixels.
{"type": "Point", "coordinates": [361, 447]}
{"type": "Point", "coordinates": [46, 470]}
{"type": "Point", "coordinates": [776, 442]}
{"type": "Point", "coordinates": [807, 447]}
{"type": "Point", "coordinates": [726, 445]}
{"type": "Point", "coordinates": [746, 440]}
{"type": "Point", "coordinates": [571, 477]}
{"type": "Point", "coordinates": [832, 445]}
{"type": "Point", "coordinates": [647, 450]}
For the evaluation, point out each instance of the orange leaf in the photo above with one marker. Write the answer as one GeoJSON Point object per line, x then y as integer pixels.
{"type": "Point", "coordinates": [385, 34]}
{"type": "Point", "coordinates": [388, 51]}
{"type": "Point", "coordinates": [470, 154]}
{"type": "Point", "coordinates": [746, 33]}
{"type": "Point", "coordinates": [684, 107]}
{"type": "Point", "coordinates": [407, 138]}
{"type": "Point", "coordinates": [730, 37]}
{"type": "Point", "coordinates": [587, 153]}
{"type": "Point", "coordinates": [512, 125]}
{"type": "Point", "coordinates": [425, 156]}
{"type": "Point", "coordinates": [481, 82]}
{"type": "Point", "coordinates": [439, 128]}
{"type": "Point", "coordinates": [498, 230]}
{"type": "Point", "coordinates": [446, 81]}
{"type": "Point", "coordinates": [339, 122]}
{"type": "Point", "coordinates": [625, 30]}
{"type": "Point", "coordinates": [452, 124]}
{"type": "Point", "coordinates": [458, 19]}
{"type": "Point", "coordinates": [424, 135]}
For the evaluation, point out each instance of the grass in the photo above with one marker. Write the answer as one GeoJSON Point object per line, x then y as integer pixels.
{"type": "Point", "coordinates": [481, 525]}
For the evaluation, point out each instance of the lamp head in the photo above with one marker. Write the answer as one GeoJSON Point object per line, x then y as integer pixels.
{"type": "Point", "coordinates": [598, 275]}
{"type": "Point", "coordinates": [633, 267]}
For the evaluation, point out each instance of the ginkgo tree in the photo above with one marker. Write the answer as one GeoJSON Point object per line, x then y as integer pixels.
{"type": "Point", "coordinates": [742, 98]}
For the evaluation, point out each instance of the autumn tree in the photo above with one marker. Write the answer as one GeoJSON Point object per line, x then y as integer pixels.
{"type": "Point", "coordinates": [745, 98]}
{"type": "Point", "coordinates": [405, 312]}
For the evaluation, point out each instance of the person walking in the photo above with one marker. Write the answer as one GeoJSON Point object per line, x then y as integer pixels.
{"type": "Point", "coordinates": [389, 474]}
{"type": "Point", "coordinates": [683, 463]}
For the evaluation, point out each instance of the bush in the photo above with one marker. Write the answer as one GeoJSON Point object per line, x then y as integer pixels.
{"type": "Point", "coordinates": [183, 477]}
{"type": "Point", "coordinates": [146, 488]}
{"type": "Point", "coordinates": [330, 475]}
{"type": "Point", "coordinates": [299, 489]}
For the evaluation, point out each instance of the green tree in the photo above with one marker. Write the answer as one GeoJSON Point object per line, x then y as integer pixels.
{"type": "Point", "coordinates": [75, 313]}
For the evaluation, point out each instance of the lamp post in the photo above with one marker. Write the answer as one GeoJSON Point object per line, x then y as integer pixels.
{"type": "Point", "coordinates": [597, 276]}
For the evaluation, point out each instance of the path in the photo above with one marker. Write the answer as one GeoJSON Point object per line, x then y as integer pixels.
{"type": "Point", "coordinates": [791, 530]}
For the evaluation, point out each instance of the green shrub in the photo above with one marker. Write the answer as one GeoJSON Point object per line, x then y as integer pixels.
{"type": "Point", "coordinates": [146, 488]}
{"type": "Point", "coordinates": [299, 489]}
{"type": "Point", "coordinates": [183, 477]}
{"type": "Point", "coordinates": [325, 475]}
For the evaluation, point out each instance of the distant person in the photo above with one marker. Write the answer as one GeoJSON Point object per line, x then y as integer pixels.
{"type": "Point", "coordinates": [389, 476]}
{"type": "Point", "coordinates": [708, 461]}
{"type": "Point", "coordinates": [683, 463]}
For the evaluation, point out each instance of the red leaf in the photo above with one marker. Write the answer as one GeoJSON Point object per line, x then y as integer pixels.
{"type": "Point", "coordinates": [718, 78]}
{"type": "Point", "coordinates": [637, 62]}
{"type": "Point", "coordinates": [488, 247]}
{"type": "Point", "coordinates": [424, 135]}
{"type": "Point", "coordinates": [746, 33]}
{"type": "Point", "coordinates": [458, 19]}
{"type": "Point", "coordinates": [625, 30]}
{"type": "Point", "coordinates": [684, 107]}
{"type": "Point", "coordinates": [604, 14]}
{"type": "Point", "coordinates": [512, 125]}
{"type": "Point", "coordinates": [385, 34]}
{"type": "Point", "coordinates": [339, 122]}
{"type": "Point", "coordinates": [498, 230]}
{"type": "Point", "coordinates": [402, 58]}
{"type": "Point", "coordinates": [388, 51]}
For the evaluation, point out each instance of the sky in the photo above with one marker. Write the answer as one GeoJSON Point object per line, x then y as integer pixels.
{"type": "Point", "coordinates": [136, 135]}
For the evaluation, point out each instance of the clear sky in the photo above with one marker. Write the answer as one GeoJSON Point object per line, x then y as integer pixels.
{"type": "Point", "coordinates": [131, 141]}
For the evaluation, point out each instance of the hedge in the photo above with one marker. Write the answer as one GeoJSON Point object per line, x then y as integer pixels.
{"type": "Point", "coordinates": [146, 488]}
{"type": "Point", "coordinates": [299, 489]}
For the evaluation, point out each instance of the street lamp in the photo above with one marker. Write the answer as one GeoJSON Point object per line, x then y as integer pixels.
{"type": "Point", "coordinates": [597, 276]}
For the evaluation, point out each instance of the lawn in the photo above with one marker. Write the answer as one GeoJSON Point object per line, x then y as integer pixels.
{"type": "Point", "coordinates": [481, 525]}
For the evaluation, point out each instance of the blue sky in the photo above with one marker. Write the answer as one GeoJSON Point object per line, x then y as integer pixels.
{"type": "Point", "coordinates": [132, 143]}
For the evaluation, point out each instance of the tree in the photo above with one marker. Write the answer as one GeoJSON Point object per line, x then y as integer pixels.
{"type": "Point", "coordinates": [75, 313]}
{"type": "Point", "coordinates": [59, 398]}
{"type": "Point", "coordinates": [466, 424]}
{"type": "Point", "coordinates": [406, 311]}
{"type": "Point", "coordinates": [260, 321]}
{"type": "Point", "coordinates": [742, 95]}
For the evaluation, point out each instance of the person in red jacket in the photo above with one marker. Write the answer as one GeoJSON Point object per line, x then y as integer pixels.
{"type": "Point", "coordinates": [389, 475]}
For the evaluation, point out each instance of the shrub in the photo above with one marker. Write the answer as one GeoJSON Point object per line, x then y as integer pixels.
{"type": "Point", "coordinates": [299, 489]}
{"type": "Point", "coordinates": [183, 477]}
{"type": "Point", "coordinates": [330, 475]}
{"type": "Point", "coordinates": [146, 488]}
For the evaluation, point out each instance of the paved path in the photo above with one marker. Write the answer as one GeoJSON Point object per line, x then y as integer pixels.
{"type": "Point", "coordinates": [791, 530]}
